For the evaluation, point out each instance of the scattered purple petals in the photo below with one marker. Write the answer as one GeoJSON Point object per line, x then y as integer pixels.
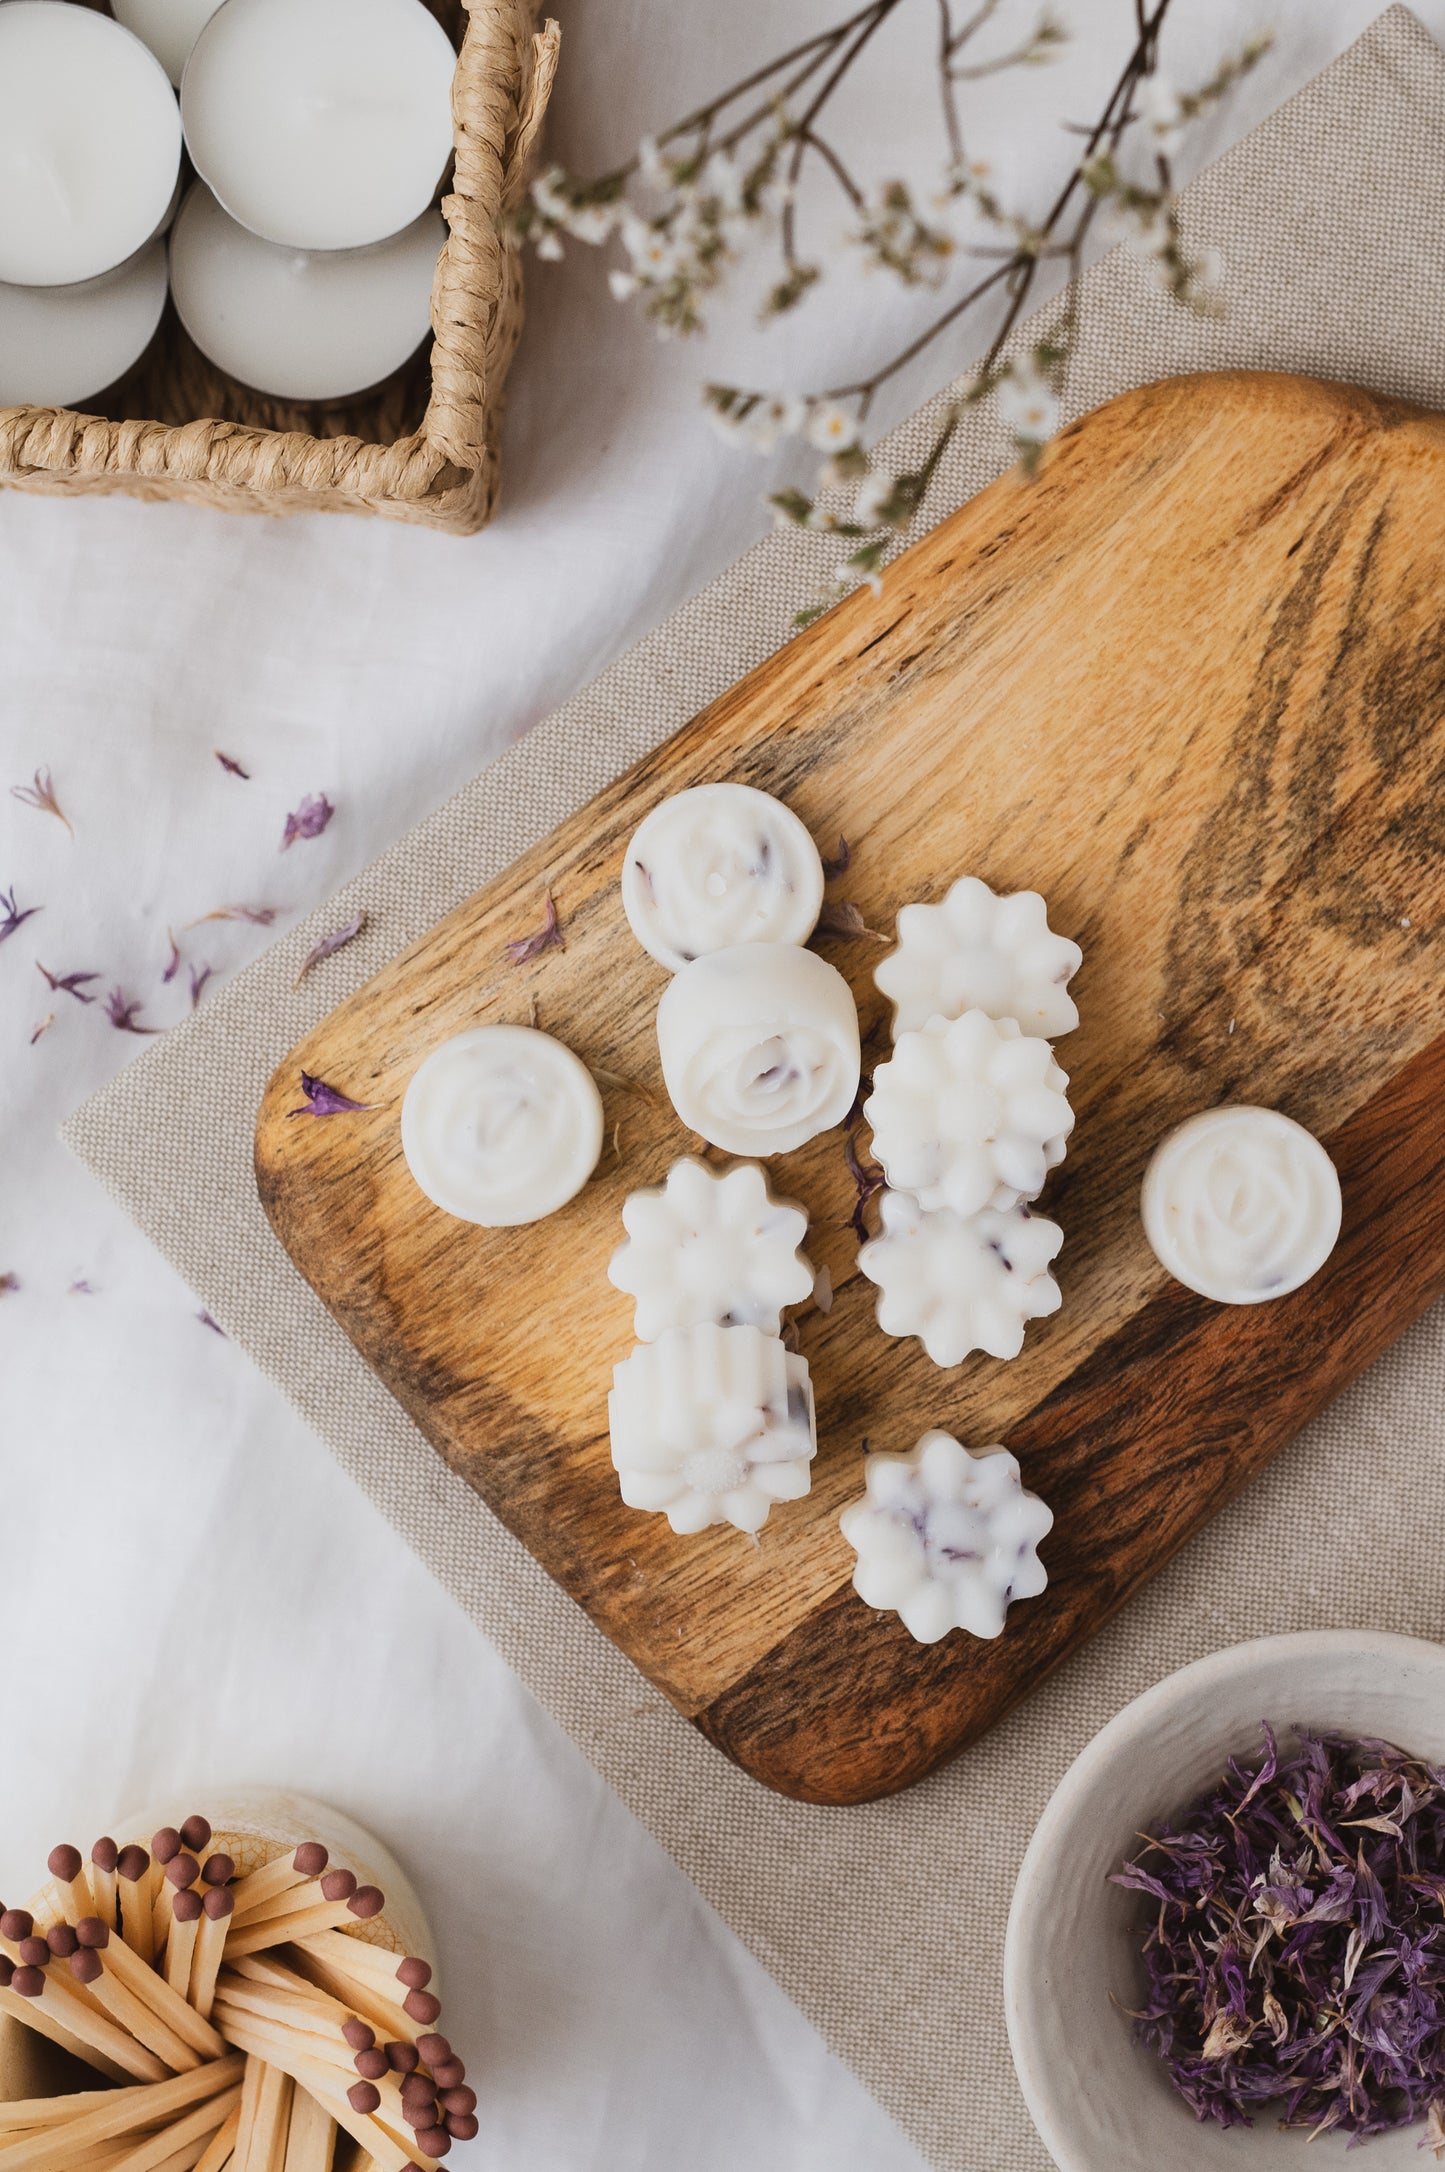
{"type": "Point", "coordinates": [324, 1100]}
{"type": "Point", "coordinates": [214, 1325]}
{"type": "Point", "coordinates": [71, 984]}
{"type": "Point", "coordinates": [231, 766]}
{"type": "Point", "coordinates": [846, 921]}
{"type": "Point", "coordinates": [309, 819]}
{"type": "Point", "coordinates": [43, 1027]}
{"type": "Point", "coordinates": [866, 1182]}
{"type": "Point", "coordinates": [1293, 1947]}
{"type": "Point", "coordinates": [81, 1289]}
{"type": "Point", "coordinates": [8, 1285]}
{"type": "Point", "coordinates": [11, 916]}
{"type": "Point", "coordinates": [40, 794]}
{"type": "Point", "coordinates": [200, 974]}
{"type": "Point", "coordinates": [841, 863]}
{"type": "Point", "coordinates": [547, 937]}
{"type": "Point", "coordinates": [255, 916]}
{"type": "Point", "coordinates": [173, 963]}
{"type": "Point", "coordinates": [329, 945]}
{"type": "Point", "coordinates": [124, 1013]}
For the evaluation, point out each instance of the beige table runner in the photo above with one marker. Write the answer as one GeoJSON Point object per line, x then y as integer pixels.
{"type": "Point", "coordinates": [884, 1923]}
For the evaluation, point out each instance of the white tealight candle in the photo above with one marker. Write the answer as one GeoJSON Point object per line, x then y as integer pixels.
{"type": "Point", "coordinates": [61, 345]}
{"type": "Point", "coordinates": [717, 865]}
{"type": "Point", "coordinates": [501, 1126]}
{"type": "Point", "coordinates": [169, 27]}
{"type": "Point", "coordinates": [759, 1047]}
{"type": "Point", "coordinates": [1241, 1204]}
{"type": "Point", "coordinates": [301, 325]}
{"type": "Point", "coordinates": [323, 124]}
{"type": "Point", "coordinates": [90, 144]}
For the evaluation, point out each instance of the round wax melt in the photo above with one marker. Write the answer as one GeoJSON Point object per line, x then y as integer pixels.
{"type": "Point", "coordinates": [322, 124]}
{"type": "Point", "coordinates": [501, 1126]}
{"type": "Point", "coordinates": [1241, 1204]}
{"type": "Point", "coordinates": [759, 1047]}
{"type": "Point", "coordinates": [61, 345]}
{"type": "Point", "coordinates": [90, 144]}
{"type": "Point", "coordinates": [718, 865]}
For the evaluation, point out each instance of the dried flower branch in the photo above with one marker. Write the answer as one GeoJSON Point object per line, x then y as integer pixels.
{"type": "Point", "coordinates": [71, 984]}
{"type": "Point", "coordinates": [124, 1013]}
{"type": "Point", "coordinates": [308, 820]}
{"type": "Point", "coordinates": [40, 794]}
{"type": "Point", "coordinates": [324, 1100]}
{"type": "Point", "coordinates": [231, 766]}
{"type": "Point", "coordinates": [547, 937]}
{"type": "Point", "coordinates": [11, 917]}
{"type": "Point", "coordinates": [329, 945]}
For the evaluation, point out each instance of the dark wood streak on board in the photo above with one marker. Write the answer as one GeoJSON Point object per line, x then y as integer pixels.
{"type": "Point", "coordinates": [1191, 684]}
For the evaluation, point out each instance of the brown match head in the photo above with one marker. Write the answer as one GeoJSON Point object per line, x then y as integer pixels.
{"type": "Point", "coordinates": [105, 1854]}
{"type": "Point", "coordinates": [218, 1903]}
{"type": "Point", "coordinates": [186, 1907]}
{"type": "Point", "coordinates": [92, 1932]}
{"type": "Point", "coordinates": [64, 1862]}
{"type": "Point", "coordinates": [422, 2006]}
{"type": "Point", "coordinates": [196, 1833]}
{"type": "Point", "coordinates": [414, 1972]}
{"type": "Point", "coordinates": [34, 1952]}
{"type": "Point", "coordinates": [434, 2047]}
{"type": "Point", "coordinates": [218, 1870]}
{"type": "Point", "coordinates": [28, 1983]}
{"type": "Point", "coordinates": [371, 2065]}
{"type": "Point", "coordinates": [359, 2035]}
{"type": "Point", "coordinates": [416, 2089]}
{"type": "Point", "coordinates": [338, 1885]}
{"type": "Point", "coordinates": [132, 1863]}
{"type": "Point", "coordinates": [449, 2074]}
{"type": "Point", "coordinates": [433, 2141]}
{"type": "Point", "coordinates": [166, 1844]}
{"type": "Point", "coordinates": [86, 1966]}
{"type": "Point", "coordinates": [367, 1901]}
{"type": "Point", "coordinates": [62, 1940]}
{"type": "Point", "coordinates": [16, 1923]}
{"type": "Point", "coordinates": [420, 2113]}
{"type": "Point", "coordinates": [459, 2102]}
{"type": "Point", "coordinates": [402, 2057]}
{"type": "Point", "coordinates": [462, 2127]}
{"type": "Point", "coordinates": [310, 1859]}
{"type": "Point", "coordinates": [182, 1870]}
{"type": "Point", "coordinates": [364, 2097]}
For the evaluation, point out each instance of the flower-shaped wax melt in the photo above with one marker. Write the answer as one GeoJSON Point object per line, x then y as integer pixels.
{"type": "Point", "coordinates": [712, 1425]}
{"type": "Point", "coordinates": [1242, 1204]}
{"type": "Point", "coordinates": [945, 1539]}
{"type": "Point", "coordinates": [501, 1125]}
{"type": "Point", "coordinates": [979, 951]}
{"type": "Point", "coordinates": [969, 1113]}
{"type": "Point", "coordinates": [961, 1283]}
{"type": "Point", "coordinates": [759, 1047]}
{"type": "Point", "coordinates": [711, 1246]}
{"type": "Point", "coordinates": [718, 865]}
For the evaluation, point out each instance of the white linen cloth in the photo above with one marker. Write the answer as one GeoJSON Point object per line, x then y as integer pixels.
{"type": "Point", "coordinates": [193, 1593]}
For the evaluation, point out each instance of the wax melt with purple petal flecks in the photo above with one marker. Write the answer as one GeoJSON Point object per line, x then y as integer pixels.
{"type": "Point", "coordinates": [1294, 1949]}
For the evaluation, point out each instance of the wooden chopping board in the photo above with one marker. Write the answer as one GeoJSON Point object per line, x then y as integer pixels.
{"type": "Point", "coordinates": [1190, 683]}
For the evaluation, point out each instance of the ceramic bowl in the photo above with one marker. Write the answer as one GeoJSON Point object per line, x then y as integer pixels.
{"type": "Point", "coordinates": [1100, 2102]}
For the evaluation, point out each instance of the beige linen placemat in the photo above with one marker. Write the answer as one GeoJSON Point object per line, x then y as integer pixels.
{"type": "Point", "coordinates": [884, 1923]}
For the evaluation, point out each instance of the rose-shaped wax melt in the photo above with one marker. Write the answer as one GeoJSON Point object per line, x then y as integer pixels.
{"type": "Point", "coordinates": [969, 1113]}
{"type": "Point", "coordinates": [709, 1246]}
{"type": "Point", "coordinates": [945, 1539]}
{"type": "Point", "coordinates": [960, 1283]}
{"type": "Point", "coordinates": [759, 1047]}
{"type": "Point", "coordinates": [718, 865]}
{"type": "Point", "coordinates": [978, 951]}
{"type": "Point", "coordinates": [1241, 1204]}
{"type": "Point", "coordinates": [501, 1125]}
{"type": "Point", "coordinates": [712, 1425]}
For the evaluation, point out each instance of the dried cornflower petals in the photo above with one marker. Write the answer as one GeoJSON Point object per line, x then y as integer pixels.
{"type": "Point", "coordinates": [9, 1284]}
{"type": "Point", "coordinates": [42, 1027]}
{"type": "Point", "coordinates": [82, 1288]}
{"type": "Point", "coordinates": [1294, 1952]}
{"type": "Point", "coordinates": [841, 919]}
{"type": "Point", "coordinates": [866, 1182]}
{"type": "Point", "coordinates": [324, 1100]}
{"type": "Point", "coordinates": [841, 861]}
{"type": "Point", "coordinates": [308, 820]}
{"type": "Point", "coordinates": [11, 917]}
{"type": "Point", "coordinates": [173, 962]}
{"type": "Point", "coordinates": [329, 945]}
{"type": "Point", "coordinates": [71, 984]}
{"type": "Point", "coordinates": [40, 794]}
{"type": "Point", "coordinates": [199, 975]}
{"type": "Point", "coordinates": [214, 1325]}
{"type": "Point", "coordinates": [255, 916]}
{"type": "Point", "coordinates": [547, 937]}
{"type": "Point", "coordinates": [231, 766]}
{"type": "Point", "coordinates": [123, 1011]}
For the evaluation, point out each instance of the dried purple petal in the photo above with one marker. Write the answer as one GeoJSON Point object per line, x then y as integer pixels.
{"type": "Point", "coordinates": [40, 794]}
{"type": "Point", "coordinates": [231, 766]}
{"type": "Point", "coordinates": [71, 984]}
{"type": "Point", "coordinates": [847, 921]}
{"type": "Point", "coordinates": [841, 863]}
{"type": "Point", "coordinates": [329, 945]}
{"type": "Point", "coordinates": [547, 937]}
{"type": "Point", "coordinates": [1294, 1953]}
{"type": "Point", "coordinates": [43, 1027]}
{"type": "Point", "coordinates": [255, 916]}
{"type": "Point", "coordinates": [308, 820]}
{"type": "Point", "coordinates": [11, 916]}
{"type": "Point", "coordinates": [81, 1289]}
{"type": "Point", "coordinates": [173, 963]}
{"type": "Point", "coordinates": [324, 1100]}
{"type": "Point", "coordinates": [866, 1182]}
{"type": "Point", "coordinates": [124, 1013]}
{"type": "Point", "coordinates": [9, 1284]}
{"type": "Point", "coordinates": [214, 1325]}
{"type": "Point", "coordinates": [199, 975]}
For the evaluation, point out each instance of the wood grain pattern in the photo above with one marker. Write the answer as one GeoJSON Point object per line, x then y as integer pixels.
{"type": "Point", "coordinates": [1190, 683]}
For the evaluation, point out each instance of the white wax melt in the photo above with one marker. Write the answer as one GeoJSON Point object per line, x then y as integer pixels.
{"type": "Point", "coordinates": [969, 1113]}
{"type": "Point", "coordinates": [714, 1247]}
{"type": "Point", "coordinates": [321, 124]}
{"type": "Point", "coordinates": [960, 1283]}
{"type": "Point", "coordinates": [978, 951]}
{"type": "Point", "coordinates": [1241, 1204]}
{"type": "Point", "coordinates": [501, 1126]}
{"type": "Point", "coordinates": [712, 1425]}
{"type": "Point", "coordinates": [61, 345]}
{"type": "Point", "coordinates": [759, 1047]}
{"type": "Point", "coordinates": [945, 1539]}
{"type": "Point", "coordinates": [90, 144]}
{"type": "Point", "coordinates": [718, 865]}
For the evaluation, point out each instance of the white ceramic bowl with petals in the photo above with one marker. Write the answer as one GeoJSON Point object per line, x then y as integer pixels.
{"type": "Point", "coordinates": [1071, 1965]}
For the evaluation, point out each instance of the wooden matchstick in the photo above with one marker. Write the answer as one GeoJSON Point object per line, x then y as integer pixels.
{"type": "Point", "coordinates": [401, 1985]}
{"type": "Point", "coordinates": [104, 1857]}
{"type": "Point", "coordinates": [217, 1906]}
{"type": "Point", "coordinates": [255, 1892]}
{"type": "Point", "coordinates": [187, 1910]}
{"type": "Point", "coordinates": [311, 2136]}
{"type": "Point", "coordinates": [363, 1904]}
{"type": "Point", "coordinates": [333, 1885]}
{"type": "Point", "coordinates": [26, 2112]}
{"type": "Point", "coordinates": [62, 2002]}
{"type": "Point", "coordinates": [133, 1869]}
{"type": "Point", "coordinates": [221, 2147]}
{"type": "Point", "coordinates": [124, 2111]}
{"type": "Point", "coordinates": [185, 2140]}
{"type": "Point", "coordinates": [127, 2011]}
{"type": "Point", "coordinates": [67, 1867]}
{"type": "Point", "coordinates": [32, 2015]}
{"type": "Point", "coordinates": [265, 2113]}
{"type": "Point", "coordinates": [153, 1990]}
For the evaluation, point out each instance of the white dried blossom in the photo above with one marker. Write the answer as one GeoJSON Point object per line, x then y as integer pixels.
{"type": "Point", "coordinates": [780, 415]}
{"type": "Point", "coordinates": [623, 285]}
{"type": "Point", "coordinates": [969, 1113]}
{"type": "Point", "coordinates": [1161, 114]}
{"type": "Point", "coordinates": [1027, 403]}
{"type": "Point", "coordinates": [875, 494]}
{"type": "Point", "coordinates": [961, 1283]}
{"type": "Point", "coordinates": [830, 428]}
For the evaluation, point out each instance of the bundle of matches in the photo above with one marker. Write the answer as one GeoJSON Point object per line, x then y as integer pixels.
{"type": "Point", "coordinates": [234, 2022]}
